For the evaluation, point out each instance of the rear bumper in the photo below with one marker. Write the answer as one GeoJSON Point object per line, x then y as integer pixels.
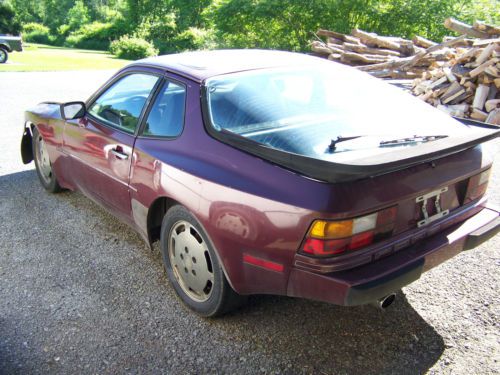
{"type": "Point", "coordinates": [372, 281]}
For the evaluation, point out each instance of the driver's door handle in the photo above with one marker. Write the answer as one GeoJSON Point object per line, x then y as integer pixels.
{"type": "Point", "coordinates": [119, 153]}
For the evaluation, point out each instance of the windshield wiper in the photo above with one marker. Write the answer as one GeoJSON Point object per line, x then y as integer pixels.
{"type": "Point", "coordinates": [333, 144]}
{"type": "Point", "coordinates": [411, 140]}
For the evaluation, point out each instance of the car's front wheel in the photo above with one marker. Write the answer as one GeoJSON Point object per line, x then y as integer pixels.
{"type": "Point", "coordinates": [193, 267]}
{"type": "Point", "coordinates": [4, 55]}
{"type": "Point", "coordinates": [43, 165]}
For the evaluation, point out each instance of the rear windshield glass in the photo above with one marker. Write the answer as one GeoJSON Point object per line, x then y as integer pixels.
{"type": "Point", "coordinates": [301, 110]}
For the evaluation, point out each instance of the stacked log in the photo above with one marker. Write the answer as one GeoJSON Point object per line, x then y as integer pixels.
{"type": "Point", "coordinates": [460, 75]}
{"type": "Point", "coordinates": [369, 49]}
{"type": "Point", "coordinates": [468, 85]}
{"type": "Point", "coordinates": [383, 56]}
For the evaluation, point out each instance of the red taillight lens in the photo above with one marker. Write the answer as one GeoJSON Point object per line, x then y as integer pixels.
{"type": "Point", "coordinates": [360, 240]}
{"type": "Point", "coordinates": [477, 186]}
{"type": "Point", "coordinates": [326, 238]}
{"type": "Point", "coordinates": [324, 247]}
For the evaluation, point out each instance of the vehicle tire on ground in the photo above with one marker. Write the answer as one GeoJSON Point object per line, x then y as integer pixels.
{"type": "Point", "coordinates": [193, 267]}
{"type": "Point", "coordinates": [43, 165]}
{"type": "Point", "coordinates": [4, 55]}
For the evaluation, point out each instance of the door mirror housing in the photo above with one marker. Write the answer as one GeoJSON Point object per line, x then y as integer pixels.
{"type": "Point", "coordinates": [73, 110]}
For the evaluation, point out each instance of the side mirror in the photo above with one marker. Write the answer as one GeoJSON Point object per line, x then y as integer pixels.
{"type": "Point", "coordinates": [73, 110]}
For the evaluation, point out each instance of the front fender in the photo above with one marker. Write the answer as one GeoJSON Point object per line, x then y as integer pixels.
{"type": "Point", "coordinates": [27, 146]}
{"type": "Point", "coordinates": [6, 47]}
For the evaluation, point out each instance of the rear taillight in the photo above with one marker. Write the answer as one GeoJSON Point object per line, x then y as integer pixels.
{"type": "Point", "coordinates": [477, 186]}
{"type": "Point", "coordinates": [326, 238]}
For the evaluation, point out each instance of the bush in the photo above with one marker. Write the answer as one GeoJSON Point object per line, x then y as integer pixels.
{"type": "Point", "coordinates": [132, 48]}
{"type": "Point", "coordinates": [37, 33]}
{"type": "Point", "coordinates": [96, 35]}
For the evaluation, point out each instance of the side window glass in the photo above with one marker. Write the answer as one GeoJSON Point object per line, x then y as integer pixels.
{"type": "Point", "coordinates": [166, 118]}
{"type": "Point", "coordinates": [121, 104]}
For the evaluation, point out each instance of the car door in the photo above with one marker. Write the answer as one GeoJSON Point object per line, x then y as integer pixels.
{"type": "Point", "coordinates": [101, 143]}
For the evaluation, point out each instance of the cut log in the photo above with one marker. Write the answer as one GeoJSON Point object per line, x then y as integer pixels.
{"type": "Point", "coordinates": [483, 42]}
{"type": "Point", "coordinates": [384, 73]}
{"type": "Point", "coordinates": [485, 54]}
{"type": "Point", "coordinates": [359, 48]}
{"type": "Point", "coordinates": [451, 77]}
{"type": "Point", "coordinates": [463, 28]}
{"type": "Point", "coordinates": [492, 71]}
{"type": "Point", "coordinates": [334, 57]}
{"type": "Point", "coordinates": [480, 97]}
{"type": "Point", "coordinates": [335, 48]}
{"type": "Point", "coordinates": [439, 91]}
{"type": "Point", "coordinates": [387, 65]}
{"type": "Point", "coordinates": [464, 98]}
{"type": "Point", "coordinates": [454, 96]}
{"type": "Point", "coordinates": [450, 110]}
{"type": "Point", "coordinates": [320, 48]}
{"type": "Point", "coordinates": [350, 57]}
{"type": "Point", "coordinates": [440, 81]}
{"type": "Point", "coordinates": [484, 27]}
{"type": "Point", "coordinates": [494, 117]}
{"type": "Point", "coordinates": [467, 55]}
{"type": "Point", "coordinates": [460, 107]}
{"type": "Point", "coordinates": [331, 34]}
{"type": "Point", "coordinates": [481, 68]}
{"type": "Point", "coordinates": [463, 43]}
{"type": "Point", "coordinates": [478, 115]}
{"type": "Point", "coordinates": [339, 36]}
{"type": "Point", "coordinates": [454, 87]}
{"type": "Point", "coordinates": [423, 42]}
{"type": "Point", "coordinates": [437, 47]}
{"type": "Point", "coordinates": [425, 96]}
{"type": "Point", "coordinates": [407, 48]}
{"type": "Point", "coordinates": [374, 39]}
{"type": "Point", "coordinates": [492, 104]}
{"type": "Point", "coordinates": [460, 71]}
{"type": "Point", "coordinates": [331, 40]}
{"type": "Point", "coordinates": [493, 93]}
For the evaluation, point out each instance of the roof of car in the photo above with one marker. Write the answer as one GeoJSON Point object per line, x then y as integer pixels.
{"type": "Point", "coordinates": [201, 65]}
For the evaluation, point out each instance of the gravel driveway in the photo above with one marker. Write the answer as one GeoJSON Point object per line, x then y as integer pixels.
{"type": "Point", "coordinates": [81, 293]}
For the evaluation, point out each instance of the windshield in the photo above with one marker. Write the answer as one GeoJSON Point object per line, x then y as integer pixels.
{"type": "Point", "coordinates": [302, 110]}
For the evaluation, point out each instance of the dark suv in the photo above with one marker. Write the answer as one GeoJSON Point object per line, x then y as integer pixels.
{"type": "Point", "coordinates": [9, 44]}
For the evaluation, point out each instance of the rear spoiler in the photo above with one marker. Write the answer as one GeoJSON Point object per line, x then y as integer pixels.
{"type": "Point", "coordinates": [365, 167]}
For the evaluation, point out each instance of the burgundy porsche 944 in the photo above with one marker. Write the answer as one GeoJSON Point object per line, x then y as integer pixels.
{"type": "Point", "coordinates": [266, 172]}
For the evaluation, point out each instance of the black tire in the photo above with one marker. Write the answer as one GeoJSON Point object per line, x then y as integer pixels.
{"type": "Point", "coordinates": [48, 181]}
{"type": "Point", "coordinates": [4, 55]}
{"type": "Point", "coordinates": [221, 298]}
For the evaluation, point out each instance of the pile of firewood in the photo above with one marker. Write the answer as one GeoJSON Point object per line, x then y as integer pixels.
{"type": "Point", "coordinates": [459, 75]}
{"type": "Point", "coordinates": [468, 85]}
{"type": "Point", "coordinates": [379, 55]}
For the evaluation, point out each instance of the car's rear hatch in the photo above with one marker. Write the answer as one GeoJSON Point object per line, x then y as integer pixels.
{"type": "Point", "coordinates": [330, 122]}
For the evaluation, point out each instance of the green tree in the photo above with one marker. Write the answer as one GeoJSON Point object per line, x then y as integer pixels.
{"type": "Point", "coordinates": [8, 22]}
{"type": "Point", "coordinates": [77, 16]}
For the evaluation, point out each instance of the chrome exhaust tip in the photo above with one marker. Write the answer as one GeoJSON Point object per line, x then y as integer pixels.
{"type": "Point", "coordinates": [384, 302]}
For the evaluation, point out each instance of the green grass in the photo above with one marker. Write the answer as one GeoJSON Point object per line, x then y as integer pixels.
{"type": "Point", "coordinates": [39, 57]}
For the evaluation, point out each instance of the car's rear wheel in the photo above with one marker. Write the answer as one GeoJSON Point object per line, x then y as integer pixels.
{"type": "Point", "coordinates": [43, 165]}
{"type": "Point", "coordinates": [193, 267]}
{"type": "Point", "coordinates": [4, 55]}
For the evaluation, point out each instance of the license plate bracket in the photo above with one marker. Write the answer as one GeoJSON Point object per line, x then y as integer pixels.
{"type": "Point", "coordinates": [436, 196]}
